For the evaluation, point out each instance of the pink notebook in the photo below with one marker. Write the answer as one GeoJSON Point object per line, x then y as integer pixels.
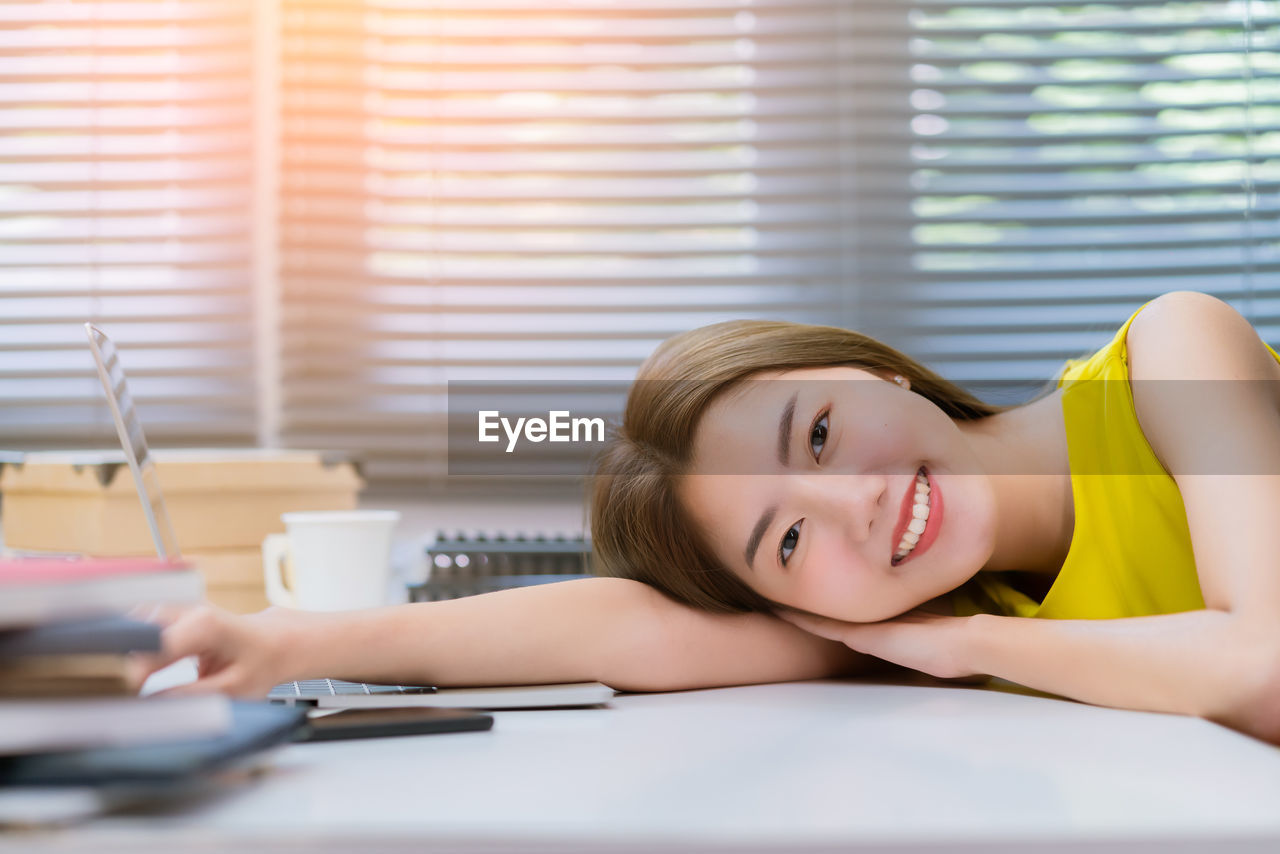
{"type": "Point", "coordinates": [39, 570]}
{"type": "Point", "coordinates": [36, 590]}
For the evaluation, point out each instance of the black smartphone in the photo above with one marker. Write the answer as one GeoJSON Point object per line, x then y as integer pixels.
{"type": "Point", "coordinates": [377, 723]}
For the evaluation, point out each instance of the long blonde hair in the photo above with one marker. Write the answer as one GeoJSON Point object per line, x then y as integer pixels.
{"type": "Point", "coordinates": [639, 529]}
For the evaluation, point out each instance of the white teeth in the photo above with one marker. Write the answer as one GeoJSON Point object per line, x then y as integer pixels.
{"type": "Point", "coordinates": [919, 514]}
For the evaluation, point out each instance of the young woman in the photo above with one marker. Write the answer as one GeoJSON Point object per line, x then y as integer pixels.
{"type": "Point", "coordinates": [788, 502]}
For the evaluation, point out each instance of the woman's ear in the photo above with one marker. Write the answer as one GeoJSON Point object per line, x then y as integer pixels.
{"type": "Point", "coordinates": [892, 377]}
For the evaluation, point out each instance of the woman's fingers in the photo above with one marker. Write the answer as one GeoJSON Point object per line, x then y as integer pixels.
{"type": "Point", "coordinates": [159, 614]}
{"type": "Point", "coordinates": [225, 681]}
{"type": "Point", "coordinates": [142, 664]}
{"type": "Point", "coordinates": [196, 632]}
{"type": "Point", "coordinates": [237, 655]}
{"type": "Point", "coordinates": [919, 639]}
{"type": "Point", "coordinates": [823, 627]}
{"type": "Point", "coordinates": [187, 631]}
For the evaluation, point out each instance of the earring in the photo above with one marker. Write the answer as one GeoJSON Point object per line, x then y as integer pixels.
{"type": "Point", "coordinates": [901, 380]}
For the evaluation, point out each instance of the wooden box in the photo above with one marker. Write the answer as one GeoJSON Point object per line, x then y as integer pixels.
{"type": "Point", "coordinates": [86, 502]}
{"type": "Point", "coordinates": [232, 578]}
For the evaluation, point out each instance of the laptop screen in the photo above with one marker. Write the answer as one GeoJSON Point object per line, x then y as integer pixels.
{"type": "Point", "coordinates": [129, 428]}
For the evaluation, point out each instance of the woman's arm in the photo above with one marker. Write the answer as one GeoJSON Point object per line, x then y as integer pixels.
{"type": "Point", "coordinates": [1206, 663]}
{"type": "Point", "coordinates": [1204, 390]}
{"type": "Point", "coordinates": [616, 631]}
{"type": "Point", "coordinates": [1207, 394]}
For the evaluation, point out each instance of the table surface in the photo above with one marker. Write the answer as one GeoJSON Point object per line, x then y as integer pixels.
{"type": "Point", "coordinates": [911, 764]}
{"type": "Point", "coordinates": [901, 764]}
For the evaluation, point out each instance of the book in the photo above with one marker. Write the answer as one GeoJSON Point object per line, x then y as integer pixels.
{"type": "Point", "coordinates": [37, 726]}
{"type": "Point", "coordinates": [81, 675]}
{"type": "Point", "coordinates": [251, 729]}
{"type": "Point", "coordinates": [40, 590]}
{"type": "Point", "coordinates": [35, 570]}
{"type": "Point", "coordinates": [486, 697]}
{"type": "Point", "coordinates": [106, 634]}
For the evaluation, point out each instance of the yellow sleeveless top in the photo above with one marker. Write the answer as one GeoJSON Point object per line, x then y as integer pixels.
{"type": "Point", "coordinates": [1130, 553]}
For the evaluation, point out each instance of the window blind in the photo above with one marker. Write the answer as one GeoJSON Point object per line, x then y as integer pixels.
{"type": "Point", "coordinates": [125, 173]}
{"type": "Point", "coordinates": [1063, 165]}
{"type": "Point", "coordinates": [507, 190]}
{"type": "Point", "coordinates": [520, 191]}
{"type": "Point", "coordinates": [523, 191]}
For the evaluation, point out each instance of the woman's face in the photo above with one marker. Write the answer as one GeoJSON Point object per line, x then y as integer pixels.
{"type": "Point", "coordinates": [799, 482]}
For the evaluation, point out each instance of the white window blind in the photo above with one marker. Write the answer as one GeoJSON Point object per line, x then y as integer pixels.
{"type": "Point", "coordinates": [125, 172]}
{"type": "Point", "coordinates": [530, 190]}
{"type": "Point", "coordinates": [1064, 164]}
{"type": "Point", "coordinates": [513, 190]}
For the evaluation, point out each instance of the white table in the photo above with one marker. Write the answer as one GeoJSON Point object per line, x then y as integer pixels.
{"type": "Point", "coordinates": [807, 766]}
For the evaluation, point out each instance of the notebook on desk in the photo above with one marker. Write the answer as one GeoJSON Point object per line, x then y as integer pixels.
{"type": "Point", "coordinates": [323, 693]}
{"type": "Point", "coordinates": [336, 694]}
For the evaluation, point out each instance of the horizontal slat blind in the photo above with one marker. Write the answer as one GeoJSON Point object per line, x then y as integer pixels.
{"type": "Point", "coordinates": [1068, 163]}
{"type": "Point", "coordinates": [531, 190]}
{"type": "Point", "coordinates": [546, 190]}
{"type": "Point", "coordinates": [125, 172]}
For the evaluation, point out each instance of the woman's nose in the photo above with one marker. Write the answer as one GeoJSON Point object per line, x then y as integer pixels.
{"type": "Point", "coordinates": [852, 501]}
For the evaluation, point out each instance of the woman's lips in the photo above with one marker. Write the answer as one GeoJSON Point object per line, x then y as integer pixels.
{"type": "Point", "coordinates": [932, 526]}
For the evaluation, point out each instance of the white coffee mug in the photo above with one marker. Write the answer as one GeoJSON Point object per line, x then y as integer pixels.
{"type": "Point", "coordinates": [330, 560]}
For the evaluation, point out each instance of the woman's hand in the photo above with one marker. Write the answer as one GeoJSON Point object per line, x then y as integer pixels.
{"type": "Point", "coordinates": [924, 641]}
{"type": "Point", "coordinates": [242, 656]}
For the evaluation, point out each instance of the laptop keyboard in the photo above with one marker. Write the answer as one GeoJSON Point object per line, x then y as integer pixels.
{"type": "Point", "coordinates": [310, 689]}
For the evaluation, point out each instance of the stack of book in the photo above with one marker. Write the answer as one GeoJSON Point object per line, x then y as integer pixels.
{"type": "Point", "coordinates": [69, 713]}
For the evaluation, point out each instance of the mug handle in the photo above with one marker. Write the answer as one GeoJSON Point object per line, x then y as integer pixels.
{"type": "Point", "coordinates": [275, 554]}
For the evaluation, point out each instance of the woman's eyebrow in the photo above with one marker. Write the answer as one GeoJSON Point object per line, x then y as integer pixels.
{"type": "Point", "coordinates": [766, 519]}
{"type": "Point", "coordinates": [784, 430]}
{"type": "Point", "coordinates": [784, 457]}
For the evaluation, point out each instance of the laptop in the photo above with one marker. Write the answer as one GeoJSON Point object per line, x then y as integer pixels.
{"type": "Point", "coordinates": [322, 693]}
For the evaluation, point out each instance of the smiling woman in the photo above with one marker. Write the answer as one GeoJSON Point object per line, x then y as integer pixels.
{"type": "Point", "coordinates": [812, 473]}
{"type": "Point", "coordinates": [767, 463]}
{"type": "Point", "coordinates": [838, 511]}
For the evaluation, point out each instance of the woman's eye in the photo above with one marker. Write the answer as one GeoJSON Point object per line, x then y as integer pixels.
{"type": "Point", "coordinates": [789, 540]}
{"type": "Point", "coordinates": [818, 435]}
